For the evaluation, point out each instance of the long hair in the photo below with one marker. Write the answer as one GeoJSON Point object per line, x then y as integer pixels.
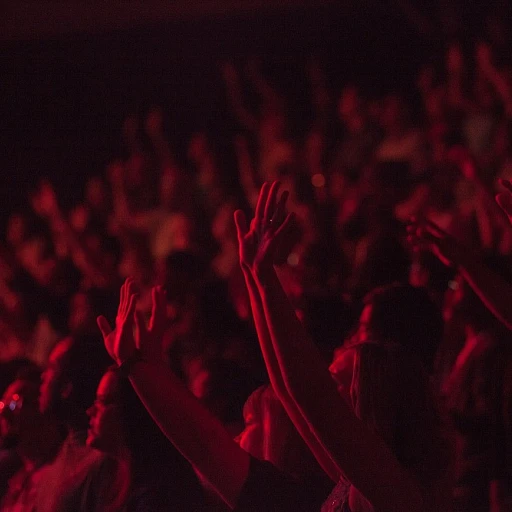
{"type": "Point", "coordinates": [391, 391]}
{"type": "Point", "coordinates": [391, 394]}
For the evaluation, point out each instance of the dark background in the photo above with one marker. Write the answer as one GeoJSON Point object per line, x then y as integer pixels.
{"type": "Point", "coordinates": [68, 81]}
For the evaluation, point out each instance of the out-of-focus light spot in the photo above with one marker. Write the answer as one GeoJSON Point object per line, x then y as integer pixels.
{"type": "Point", "coordinates": [293, 259]}
{"type": "Point", "coordinates": [318, 180]}
{"type": "Point", "coordinates": [454, 285]}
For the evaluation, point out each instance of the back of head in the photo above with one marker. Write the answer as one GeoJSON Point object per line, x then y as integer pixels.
{"type": "Point", "coordinates": [391, 394]}
{"type": "Point", "coordinates": [391, 390]}
{"type": "Point", "coordinates": [76, 366]}
{"type": "Point", "coordinates": [407, 316]}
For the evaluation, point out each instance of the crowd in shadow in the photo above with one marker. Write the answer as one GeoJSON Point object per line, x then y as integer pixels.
{"type": "Point", "coordinates": [330, 333]}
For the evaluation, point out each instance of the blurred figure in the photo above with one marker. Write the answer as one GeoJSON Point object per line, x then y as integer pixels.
{"type": "Point", "coordinates": [475, 399]}
{"type": "Point", "coordinates": [401, 142]}
{"type": "Point", "coordinates": [33, 437]}
{"type": "Point", "coordinates": [152, 473]}
{"type": "Point", "coordinates": [79, 478]}
{"type": "Point", "coordinates": [358, 138]}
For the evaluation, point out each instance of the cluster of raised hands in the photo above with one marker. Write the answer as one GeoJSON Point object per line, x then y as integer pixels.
{"type": "Point", "coordinates": [266, 241]}
{"type": "Point", "coordinates": [426, 235]}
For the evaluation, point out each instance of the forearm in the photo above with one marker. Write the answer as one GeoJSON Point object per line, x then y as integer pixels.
{"type": "Point", "coordinates": [363, 457]}
{"type": "Point", "coordinates": [197, 434]}
{"type": "Point", "coordinates": [277, 382]}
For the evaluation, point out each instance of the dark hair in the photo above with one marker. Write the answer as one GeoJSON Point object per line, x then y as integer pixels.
{"type": "Point", "coordinates": [406, 315]}
{"type": "Point", "coordinates": [391, 394]}
{"type": "Point", "coordinates": [18, 369]}
{"type": "Point", "coordinates": [154, 458]}
{"type": "Point", "coordinates": [84, 364]}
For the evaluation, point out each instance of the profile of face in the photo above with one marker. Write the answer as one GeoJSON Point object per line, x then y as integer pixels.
{"type": "Point", "coordinates": [342, 366]}
{"type": "Point", "coordinates": [54, 386]}
{"type": "Point", "coordinates": [105, 422]}
{"type": "Point", "coordinates": [19, 412]}
{"type": "Point", "coordinates": [342, 370]}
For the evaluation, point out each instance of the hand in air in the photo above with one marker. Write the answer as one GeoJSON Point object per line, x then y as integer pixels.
{"type": "Point", "coordinates": [271, 234]}
{"type": "Point", "coordinates": [425, 235]}
{"type": "Point", "coordinates": [120, 342]}
{"type": "Point", "coordinates": [504, 199]}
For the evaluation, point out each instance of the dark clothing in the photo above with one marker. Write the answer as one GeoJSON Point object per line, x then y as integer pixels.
{"type": "Point", "coordinates": [9, 464]}
{"type": "Point", "coordinates": [169, 486]}
{"type": "Point", "coordinates": [269, 490]}
{"type": "Point", "coordinates": [476, 402]}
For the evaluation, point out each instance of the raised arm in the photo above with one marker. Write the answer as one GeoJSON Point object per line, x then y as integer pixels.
{"type": "Point", "coordinates": [64, 236]}
{"type": "Point", "coordinates": [193, 430]}
{"type": "Point", "coordinates": [492, 289]}
{"type": "Point", "coordinates": [268, 207]}
{"type": "Point", "coordinates": [362, 456]}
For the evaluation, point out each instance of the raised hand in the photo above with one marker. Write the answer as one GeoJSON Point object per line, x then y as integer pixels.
{"type": "Point", "coordinates": [271, 234]}
{"type": "Point", "coordinates": [504, 199]}
{"type": "Point", "coordinates": [120, 342]}
{"type": "Point", "coordinates": [45, 201]}
{"type": "Point", "coordinates": [154, 122]}
{"type": "Point", "coordinates": [428, 236]}
{"type": "Point", "coordinates": [149, 338]}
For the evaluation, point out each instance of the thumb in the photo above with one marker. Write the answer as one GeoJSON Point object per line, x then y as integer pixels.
{"type": "Point", "coordinates": [104, 326]}
{"type": "Point", "coordinates": [241, 224]}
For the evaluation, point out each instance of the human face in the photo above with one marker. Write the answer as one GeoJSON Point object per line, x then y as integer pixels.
{"type": "Point", "coordinates": [105, 423]}
{"type": "Point", "coordinates": [52, 379]}
{"type": "Point", "coordinates": [18, 412]}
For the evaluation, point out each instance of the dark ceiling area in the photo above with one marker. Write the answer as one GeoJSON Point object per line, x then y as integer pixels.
{"type": "Point", "coordinates": [71, 73]}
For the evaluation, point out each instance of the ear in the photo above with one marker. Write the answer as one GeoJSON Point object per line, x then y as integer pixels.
{"type": "Point", "coordinates": [66, 390]}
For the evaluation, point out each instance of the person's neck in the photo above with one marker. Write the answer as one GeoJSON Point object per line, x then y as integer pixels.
{"type": "Point", "coordinates": [76, 423]}
{"type": "Point", "coordinates": [39, 449]}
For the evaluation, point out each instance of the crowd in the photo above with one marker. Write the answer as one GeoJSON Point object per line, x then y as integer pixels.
{"type": "Point", "coordinates": [327, 330]}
